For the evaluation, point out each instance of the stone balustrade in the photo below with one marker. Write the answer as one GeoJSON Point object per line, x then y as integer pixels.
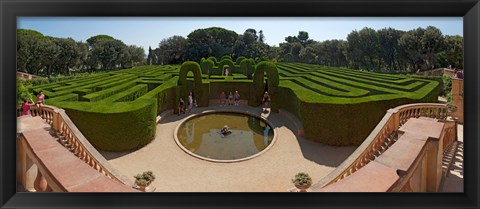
{"type": "Point", "coordinates": [73, 140]}
{"type": "Point", "coordinates": [457, 97]}
{"type": "Point", "coordinates": [383, 138]}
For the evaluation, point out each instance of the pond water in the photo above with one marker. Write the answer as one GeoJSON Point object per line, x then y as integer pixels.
{"type": "Point", "coordinates": [202, 135]}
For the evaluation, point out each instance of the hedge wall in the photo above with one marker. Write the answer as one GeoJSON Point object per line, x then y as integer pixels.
{"type": "Point", "coordinates": [342, 124]}
{"type": "Point", "coordinates": [118, 126]}
{"type": "Point", "coordinates": [247, 67]}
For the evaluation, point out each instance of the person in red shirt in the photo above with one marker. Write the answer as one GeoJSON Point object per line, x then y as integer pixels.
{"type": "Point", "coordinates": [27, 103]}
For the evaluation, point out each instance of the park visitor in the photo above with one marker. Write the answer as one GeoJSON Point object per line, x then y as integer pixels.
{"type": "Point", "coordinates": [230, 98]}
{"type": "Point", "coordinates": [27, 103]}
{"type": "Point", "coordinates": [190, 102]}
{"type": "Point", "coordinates": [266, 101]}
{"type": "Point", "coordinates": [181, 106]}
{"type": "Point", "coordinates": [222, 98]}
{"type": "Point", "coordinates": [40, 100]}
{"type": "Point", "coordinates": [237, 98]}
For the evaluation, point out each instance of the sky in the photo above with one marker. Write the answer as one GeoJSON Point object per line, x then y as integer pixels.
{"type": "Point", "coordinates": [149, 31]}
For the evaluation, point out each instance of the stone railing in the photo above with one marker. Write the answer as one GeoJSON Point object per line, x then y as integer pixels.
{"type": "Point", "coordinates": [382, 137]}
{"type": "Point", "coordinates": [74, 141]}
{"type": "Point", "coordinates": [457, 97]}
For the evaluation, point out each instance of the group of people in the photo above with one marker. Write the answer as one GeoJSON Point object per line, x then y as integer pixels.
{"type": "Point", "coordinates": [191, 102]}
{"type": "Point", "coordinates": [233, 98]}
{"type": "Point", "coordinates": [28, 102]}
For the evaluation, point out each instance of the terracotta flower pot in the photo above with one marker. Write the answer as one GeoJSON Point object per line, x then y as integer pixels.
{"type": "Point", "coordinates": [303, 188]}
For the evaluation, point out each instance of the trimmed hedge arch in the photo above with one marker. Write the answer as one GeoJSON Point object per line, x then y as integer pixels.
{"type": "Point", "coordinates": [258, 80]}
{"type": "Point", "coordinates": [197, 78]}
{"type": "Point", "coordinates": [206, 65]}
{"type": "Point", "coordinates": [229, 63]}
{"type": "Point", "coordinates": [247, 67]}
{"type": "Point", "coordinates": [239, 60]}
{"type": "Point", "coordinates": [213, 59]}
{"type": "Point", "coordinates": [226, 57]}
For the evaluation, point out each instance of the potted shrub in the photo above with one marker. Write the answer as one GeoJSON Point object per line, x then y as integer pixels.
{"type": "Point", "coordinates": [302, 181]}
{"type": "Point", "coordinates": [142, 181]}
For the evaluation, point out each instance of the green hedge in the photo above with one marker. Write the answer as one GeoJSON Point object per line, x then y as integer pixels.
{"type": "Point", "coordinates": [63, 98]}
{"type": "Point", "coordinates": [206, 65]}
{"type": "Point", "coordinates": [128, 95]}
{"type": "Point", "coordinates": [247, 67]}
{"type": "Point", "coordinates": [230, 64]}
{"type": "Point", "coordinates": [118, 126]}
{"type": "Point", "coordinates": [108, 92]}
{"type": "Point", "coordinates": [213, 59]}
{"type": "Point", "coordinates": [258, 81]}
{"type": "Point", "coordinates": [195, 68]}
{"type": "Point", "coordinates": [341, 124]}
{"type": "Point", "coordinates": [239, 60]}
{"type": "Point", "coordinates": [228, 57]}
{"type": "Point", "coordinates": [164, 94]}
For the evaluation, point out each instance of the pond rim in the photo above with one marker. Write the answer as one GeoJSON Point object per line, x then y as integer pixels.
{"type": "Point", "coordinates": [206, 112]}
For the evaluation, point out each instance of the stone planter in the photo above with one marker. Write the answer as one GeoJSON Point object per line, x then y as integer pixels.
{"type": "Point", "coordinates": [303, 188]}
{"type": "Point", "coordinates": [145, 188]}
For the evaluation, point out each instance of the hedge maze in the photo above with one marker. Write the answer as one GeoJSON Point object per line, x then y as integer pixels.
{"type": "Point", "coordinates": [340, 106]}
{"type": "Point", "coordinates": [343, 86]}
{"type": "Point", "coordinates": [117, 110]}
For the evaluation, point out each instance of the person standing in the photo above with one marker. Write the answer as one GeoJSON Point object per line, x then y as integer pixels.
{"type": "Point", "coordinates": [237, 98]}
{"type": "Point", "coordinates": [190, 102]}
{"type": "Point", "coordinates": [27, 103]}
{"type": "Point", "coordinates": [222, 98]}
{"type": "Point", "coordinates": [230, 98]}
{"type": "Point", "coordinates": [181, 106]}
{"type": "Point", "coordinates": [266, 101]}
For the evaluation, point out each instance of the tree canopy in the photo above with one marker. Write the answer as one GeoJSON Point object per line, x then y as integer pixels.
{"type": "Point", "coordinates": [384, 50]}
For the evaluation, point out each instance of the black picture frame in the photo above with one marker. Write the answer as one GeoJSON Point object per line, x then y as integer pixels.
{"type": "Point", "coordinates": [10, 10]}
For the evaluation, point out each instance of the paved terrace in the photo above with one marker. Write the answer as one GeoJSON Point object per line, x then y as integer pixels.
{"type": "Point", "coordinates": [177, 171]}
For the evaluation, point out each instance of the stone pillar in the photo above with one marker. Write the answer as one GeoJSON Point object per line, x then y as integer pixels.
{"type": "Point", "coordinates": [56, 120]}
{"type": "Point", "coordinates": [40, 183]}
{"type": "Point", "coordinates": [26, 169]}
{"type": "Point", "coordinates": [434, 162]}
{"type": "Point", "coordinates": [395, 118]}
